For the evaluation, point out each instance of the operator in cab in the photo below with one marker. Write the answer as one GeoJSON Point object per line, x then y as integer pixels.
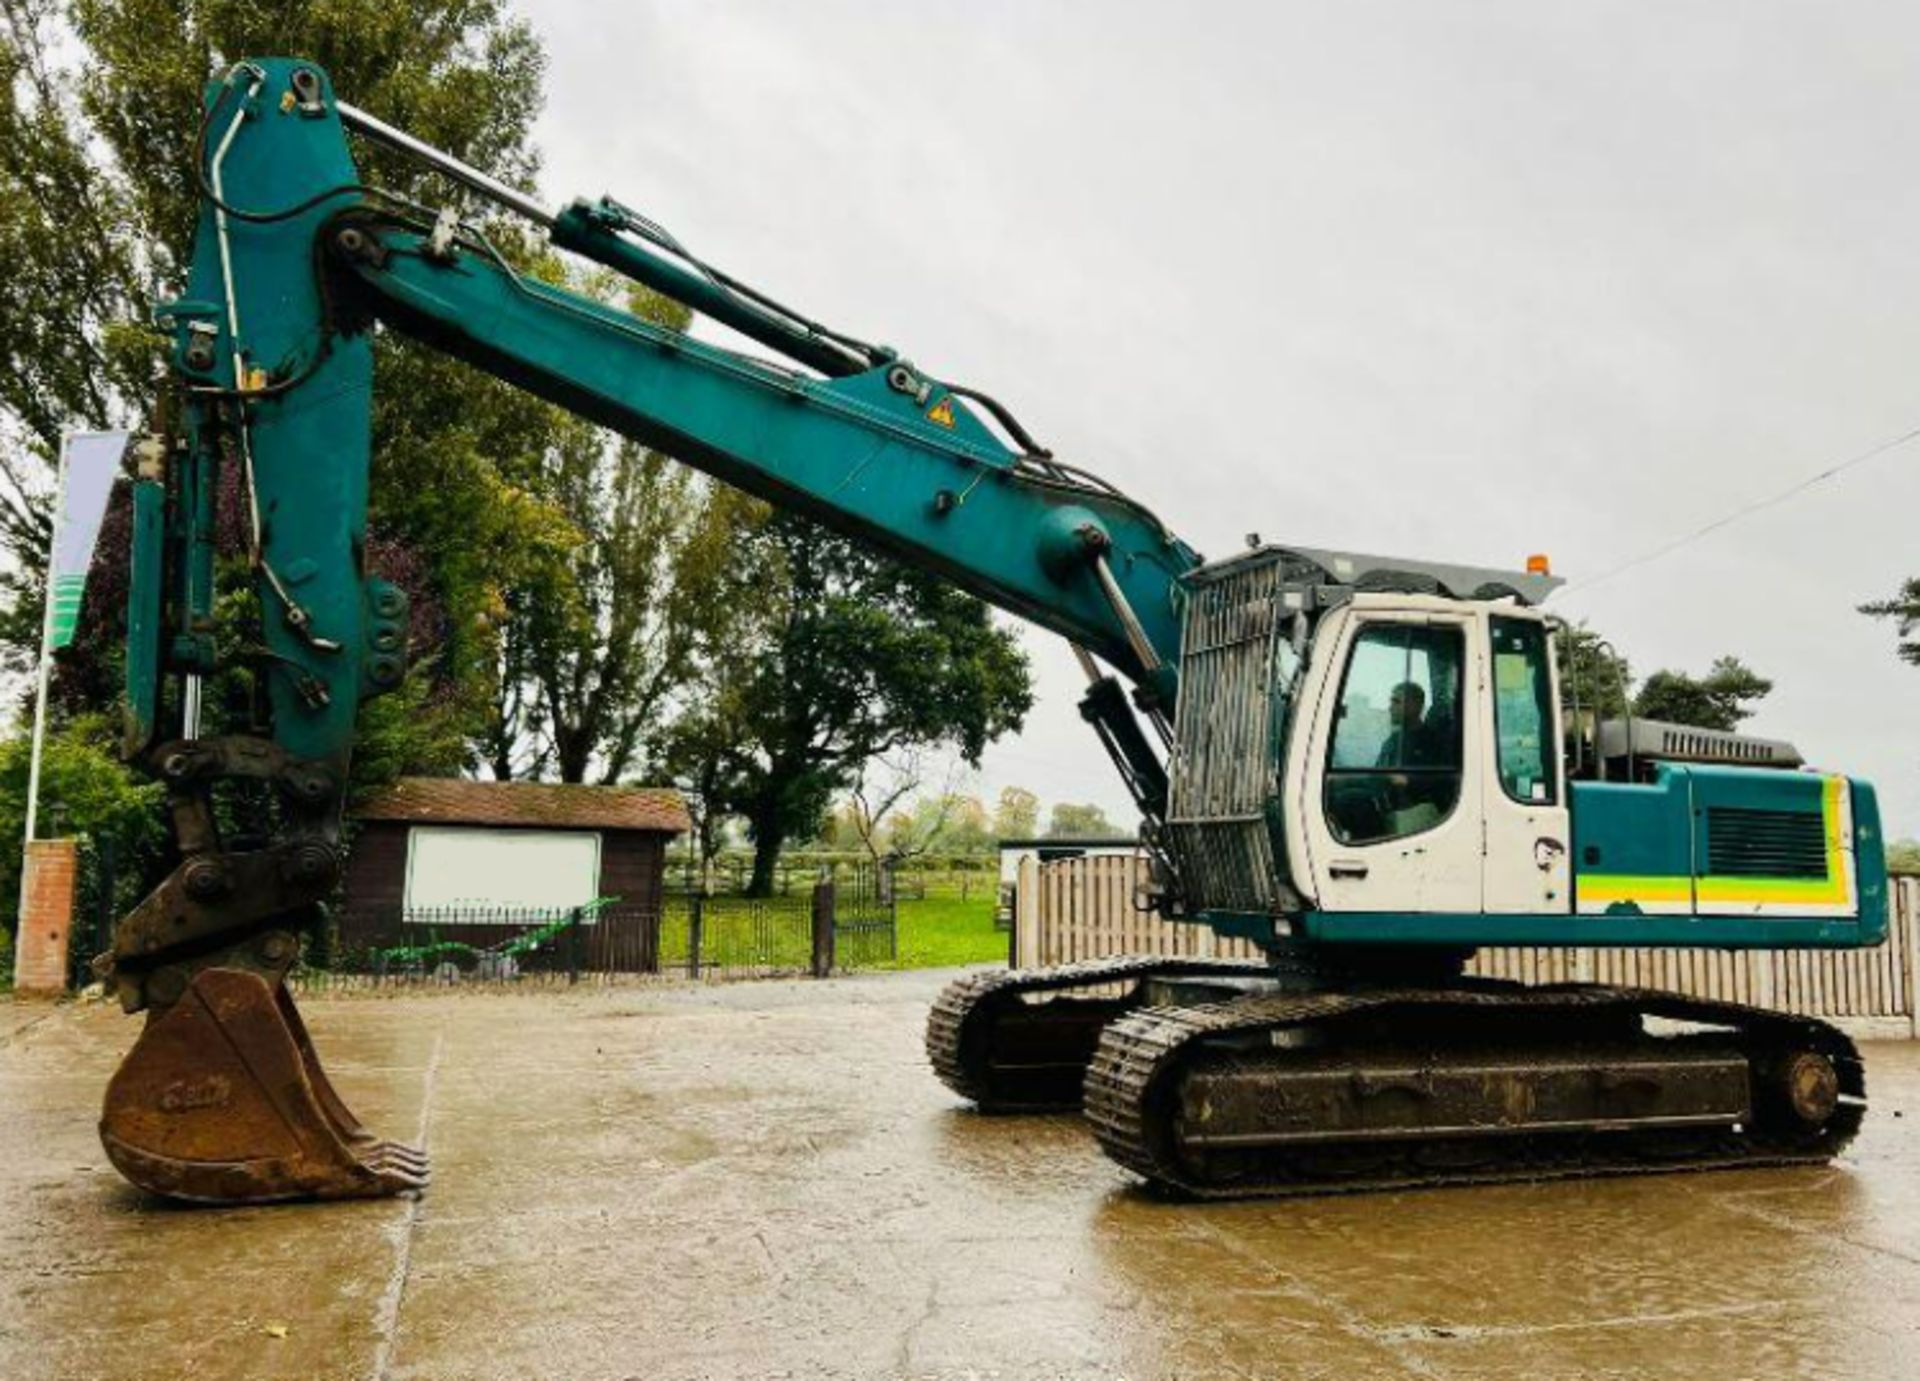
{"type": "Point", "coordinates": [1422, 761]}
{"type": "Point", "coordinates": [1414, 741]}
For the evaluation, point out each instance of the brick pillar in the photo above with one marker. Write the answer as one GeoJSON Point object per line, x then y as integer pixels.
{"type": "Point", "coordinates": [46, 918]}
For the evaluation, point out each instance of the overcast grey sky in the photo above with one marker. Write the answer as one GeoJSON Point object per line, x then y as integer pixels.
{"type": "Point", "coordinates": [1465, 281]}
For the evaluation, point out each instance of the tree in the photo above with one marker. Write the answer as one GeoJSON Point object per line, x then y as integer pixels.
{"type": "Point", "coordinates": [893, 829]}
{"type": "Point", "coordinates": [965, 827]}
{"type": "Point", "coordinates": [74, 276]}
{"type": "Point", "coordinates": [836, 656]}
{"type": "Point", "coordinates": [1595, 677]}
{"type": "Point", "coordinates": [600, 638]}
{"type": "Point", "coordinates": [1017, 814]}
{"type": "Point", "coordinates": [98, 128]}
{"type": "Point", "coordinates": [1904, 610]}
{"type": "Point", "coordinates": [1592, 675]}
{"type": "Point", "coordinates": [83, 786]}
{"type": "Point", "coordinates": [1903, 856]}
{"type": "Point", "coordinates": [1080, 822]}
{"type": "Point", "coordinates": [700, 754]}
{"type": "Point", "coordinates": [874, 797]}
{"type": "Point", "coordinates": [1718, 700]}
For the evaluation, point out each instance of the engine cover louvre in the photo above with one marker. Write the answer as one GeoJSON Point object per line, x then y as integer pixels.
{"type": "Point", "coordinates": [1742, 842]}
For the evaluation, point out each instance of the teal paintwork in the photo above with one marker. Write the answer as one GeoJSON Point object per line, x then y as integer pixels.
{"type": "Point", "coordinates": [1660, 831]}
{"type": "Point", "coordinates": [1870, 863]}
{"type": "Point", "coordinates": [1748, 789]}
{"type": "Point", "coordinates": [853, 452]}
{"type": "Point", "coordinates": [1617, 929]}
{"type": "Point", "coordinates": [1633, 829]}
{"type": "Point", "coordinates": [915, 473]}
{"type": "Point", "coordinates": [1650, 831]}
{"type": "Point", "coordinates": [309, 441]}
{"type": "Point", "coordinates": [146, 585]}
{"type": "Point", "coordinates": [595, 230]}
{"type": "Point", "coordinates": [892, 458]}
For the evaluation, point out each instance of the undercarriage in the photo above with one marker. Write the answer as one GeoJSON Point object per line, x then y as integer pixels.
{"type": "Point", "coordinates": [1220, 1080]}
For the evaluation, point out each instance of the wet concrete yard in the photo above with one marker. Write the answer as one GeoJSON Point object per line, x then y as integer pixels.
{"type": "Point", "coordinates": [765, 1180]}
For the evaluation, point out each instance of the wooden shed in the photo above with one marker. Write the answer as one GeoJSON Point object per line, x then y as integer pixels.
{"type": "Point", "coordinates": [453, 853]}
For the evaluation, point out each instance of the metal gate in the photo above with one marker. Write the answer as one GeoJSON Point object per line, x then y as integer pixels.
{"type": "Point", "coordinates": [865, 918]}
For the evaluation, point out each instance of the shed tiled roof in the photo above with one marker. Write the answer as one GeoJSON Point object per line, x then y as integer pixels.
{"type": "Point", "coordinates": [449, 800]}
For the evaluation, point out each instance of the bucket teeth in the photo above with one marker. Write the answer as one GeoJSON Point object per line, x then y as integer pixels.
{"type": "Point", "coordinates": [222, 1100]}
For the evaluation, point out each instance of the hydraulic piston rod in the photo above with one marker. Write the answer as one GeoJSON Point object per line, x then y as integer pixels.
{"type": "Point", "coordinates": [593, 229]}
{"type": "Point", "coordinates": [466, 174]}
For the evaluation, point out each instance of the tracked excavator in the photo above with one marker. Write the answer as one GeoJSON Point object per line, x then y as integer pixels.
{"type": "Point", "coordinates": [1355, 762]}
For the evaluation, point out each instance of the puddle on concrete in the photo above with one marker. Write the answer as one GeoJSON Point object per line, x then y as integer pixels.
{"type": "Point", "coordinates": [766, 1180]}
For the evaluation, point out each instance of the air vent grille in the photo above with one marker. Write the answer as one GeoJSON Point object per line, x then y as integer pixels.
{"type": "Point", "coordinates": [1765, 843]}
{"type": "Point", "coordinates": [1226, 767]}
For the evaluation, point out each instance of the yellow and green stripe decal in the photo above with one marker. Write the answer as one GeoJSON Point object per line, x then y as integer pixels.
{"type": "Point", "coordinates": [1620, 887]}
{"type": "Point", "coordinates": [1835, 889]}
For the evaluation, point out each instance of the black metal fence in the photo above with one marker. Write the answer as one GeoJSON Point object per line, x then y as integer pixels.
{"type": "Point", "coordinates": [912, 879]}
{"type": "Point", "coordinates": [96, 903]}
{"type": "Point", "coordinates": [452, 944]}
{"type": "Point", "coordinates": [829, 927]}
{"type": "Point", "coordinates": [865, 919]}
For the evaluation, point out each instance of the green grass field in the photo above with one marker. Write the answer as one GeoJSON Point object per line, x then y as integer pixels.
{"type": "Point", "coordinates": [939, 930]}
{"type": "Point", "coordinates": [735, 932]}
{"type": "Point", "coordinates": [943, 930]}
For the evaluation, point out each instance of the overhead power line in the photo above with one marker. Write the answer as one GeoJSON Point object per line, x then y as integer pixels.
{"type": "Point", "coordinates": [1891, 444]}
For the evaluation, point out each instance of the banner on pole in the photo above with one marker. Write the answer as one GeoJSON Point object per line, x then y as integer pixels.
{"type": "Point", "coordinates": [89, 461]}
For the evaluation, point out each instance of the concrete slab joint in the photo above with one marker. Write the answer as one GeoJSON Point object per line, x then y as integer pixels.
{"type": "Point", "coordinates": [700, 1182]}
{"type": "Point", "coordinates": [46, 917]}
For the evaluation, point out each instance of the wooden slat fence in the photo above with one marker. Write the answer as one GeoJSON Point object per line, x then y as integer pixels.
{"type": "Point", "coordinates": [1082, 908]}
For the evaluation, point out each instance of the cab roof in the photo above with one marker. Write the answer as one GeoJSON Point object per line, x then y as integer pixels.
{"type": "Point", "coordinates": [1359, 571]}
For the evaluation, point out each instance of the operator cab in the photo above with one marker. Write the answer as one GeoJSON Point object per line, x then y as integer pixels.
{"type": "Point", "coordinates": [1337, 746]}
{"type": "Point", "coordinates": [1424, 760]}
{"type": "Point", "coordinates": [1369, 751]}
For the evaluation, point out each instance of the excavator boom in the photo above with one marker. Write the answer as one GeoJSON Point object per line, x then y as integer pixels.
{"type": "Point", "coordinates": [295, 260]}
{"type": "Point", "coordinates": [1354, 761]}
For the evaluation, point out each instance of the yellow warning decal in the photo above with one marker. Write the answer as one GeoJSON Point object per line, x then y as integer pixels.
{"type": "Point", "coordinates": [941, 413]}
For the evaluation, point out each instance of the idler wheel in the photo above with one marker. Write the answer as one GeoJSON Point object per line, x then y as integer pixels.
{"type": "Point", "coordinates": [1808, 1087]}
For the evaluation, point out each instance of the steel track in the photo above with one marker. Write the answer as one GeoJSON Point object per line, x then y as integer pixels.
{"type": "Point", "coordinates": [1132, 1085]}
{"type": "Point", "coordinates": [960, 1027]}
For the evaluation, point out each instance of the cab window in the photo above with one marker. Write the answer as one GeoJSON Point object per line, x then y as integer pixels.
{"type": "Point", "coordinates": [1523, 711]}
{"type": "Point", "coordinates": [1393, 765]}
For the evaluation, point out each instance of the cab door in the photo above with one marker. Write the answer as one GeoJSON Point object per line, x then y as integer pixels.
{"type": "Point", "coordinates": [1528, 827]}
{"type": "Point", "coordinates": [1390, 778]}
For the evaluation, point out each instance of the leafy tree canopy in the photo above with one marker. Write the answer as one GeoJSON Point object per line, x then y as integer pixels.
{"type": "Point", "coordinates": [1016, 815]}
{"type": "Point", "coordinates": [1596, 677]}
{"type": "Point", "coordinates": [1719, 700]}
{"type": "Point", "coordinates": [838, 656]}
{"type": "Point", "coordinates": [83, 791]}
{"type": "Point", "coordinates": [1070, 821]}
{"type": "Point", "coordinates": [1904, 610]}
{"type": "Point", "coordinates": [98, 123]}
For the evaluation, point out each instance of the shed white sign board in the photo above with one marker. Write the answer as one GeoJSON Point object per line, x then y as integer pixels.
{"type": "Point", "coordinates": [461, 867]}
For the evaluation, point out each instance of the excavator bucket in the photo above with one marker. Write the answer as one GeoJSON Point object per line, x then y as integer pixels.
{"type": "Point", "coordinates": [223, 1101]}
